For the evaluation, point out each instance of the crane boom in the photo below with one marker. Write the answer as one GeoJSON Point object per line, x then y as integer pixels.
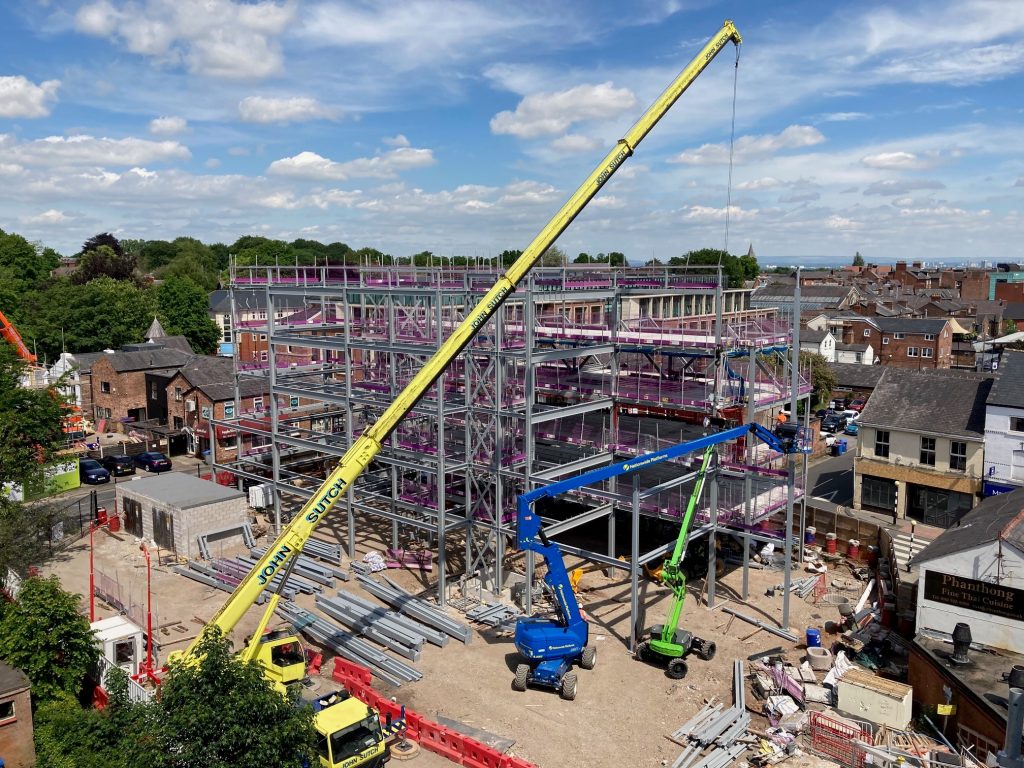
{"type": "Point", "coordinates": [9, 332]}
{"type": "Point", "coordinates": [292, 539]}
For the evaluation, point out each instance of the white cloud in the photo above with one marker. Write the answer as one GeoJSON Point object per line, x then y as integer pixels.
{"type": "Point", "coordinates": [975, 65]}
{"type": "Point", "coordinates": [532, 192]}
{"type": "Point", "coordinates": [901, 186]}
{"type": "Point", "coordinates": [20, 97]}
{"type": "Point", "coordinates": [575, 142]}
{"type": "Point", "coordinates": [168, 126]}
{"type": "Point", "coordinates": [213, 162]}
{"type": "Point", "coordinates": [547, 113]}
{"type": "Point", "coordinates": [709, 213]}
{"type": "Point", "coordinates": [219, 38]}
{"type": "Point", "coordinates": [842, 223]}
{"type": "Point", "coordinates": [87, 150]}
{"type": "Point", "coordinates": [296, 109]}
{"type": "Point", "coordinates": [894, 160]}
{"type": "Point", "coordinates": [843, 117]}
{"type": "Point", "coordinates": [396, 141]}
{"type": "Point", "coordinates": [800, 197]}
{"type": "Point", "coordinates": [1019, 182]}
{"type": "Point", "coordinates": [310, 165]}
{"type": "Point", "coordinates": [52, 216]}
{"type": "Point", "coordinates": [238, 151]}
{"type": "Point", "coordinates": [751, 147]}
{"type": "Point", "coordinates": [765, 182]}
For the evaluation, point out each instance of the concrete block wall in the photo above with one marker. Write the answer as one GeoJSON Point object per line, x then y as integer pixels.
{"type": "Point", "coordinates": [189, 524]}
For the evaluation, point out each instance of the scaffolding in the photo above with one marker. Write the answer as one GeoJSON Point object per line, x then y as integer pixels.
{"type": "Point", "coordinates": [554, 384]}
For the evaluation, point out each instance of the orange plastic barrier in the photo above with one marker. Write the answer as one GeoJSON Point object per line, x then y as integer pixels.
{"type": "Point", "coordinates": [460, 749]}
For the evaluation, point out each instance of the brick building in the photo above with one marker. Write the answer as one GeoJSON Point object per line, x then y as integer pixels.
{"type": "Point", "coordinates": [901, 342]}
{"type": "Point", "coordinates": [920, 450]}
{"type": "Point", "coordinates": [121, 384]}
{"type": "Point", "coordinates": [203, 390]}
{"type": "Point", "coordinates": [16, 746]}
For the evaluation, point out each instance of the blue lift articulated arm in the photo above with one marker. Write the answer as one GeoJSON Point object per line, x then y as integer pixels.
{"type": "Point", "coordinates": [531, 537]}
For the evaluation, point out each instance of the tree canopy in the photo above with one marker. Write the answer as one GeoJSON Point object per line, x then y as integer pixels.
{"type": "Point", "coordinates": [44, 635]}
{"type": "Point", "coordinates": [823, 379]}
{"type": "Point", "coordinates": [30, 421]}
{"type": "Point", "coordinates": [858, 260]}
{"type": "Point", "coordinates": [182, 306]}
{"type": "Point", "coordinates": [736, 269]}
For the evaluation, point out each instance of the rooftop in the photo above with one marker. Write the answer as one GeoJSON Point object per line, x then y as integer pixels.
{"type": "Point", "coordinates": [997, 518]}
{"type": "Point", "coordinates": [855, 375]}
{"type": "Point", "coordinates": [944, 402]}
{"type": "Point", "coordinates": [180, 490]}
{"type": "Point", "coordinates": [1008, 389]}
{"type": "Point", "coordinates": [214, 376]}
{"type": "Point", "coordinates": [12, 680]}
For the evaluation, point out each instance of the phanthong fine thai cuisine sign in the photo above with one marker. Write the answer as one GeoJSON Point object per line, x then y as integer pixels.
{"type": "Point", "coordinates": [975, 595]}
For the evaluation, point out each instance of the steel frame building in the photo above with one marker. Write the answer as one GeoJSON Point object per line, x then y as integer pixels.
{"type": "Point", "coordinates": [539, 394]}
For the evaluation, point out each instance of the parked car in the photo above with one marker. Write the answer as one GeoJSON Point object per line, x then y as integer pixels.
{"type": "Point", "coordinates": [118, 465]}
{"type": "Point", "coordinates": [833, 423]}
{"type": "Point", "coordinates": [153, 461]}
{"type": "Point", "coordinates": [850, 415]}
{"type": "Point", "coordinates": [92, 472]}
{"type": "Point", "coordinates": [851, 429]}
{"type": "Point", "coordinates": [821, 413]}
{"type": "Point", "coordinates": [857, 405]}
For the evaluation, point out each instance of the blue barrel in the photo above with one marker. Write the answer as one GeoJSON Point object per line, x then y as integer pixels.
{"type": "Point", "coordinates": [813, 638]}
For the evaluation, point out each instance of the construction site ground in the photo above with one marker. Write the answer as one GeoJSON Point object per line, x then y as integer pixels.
{"type": "Point", "coordinates": [624, 710]}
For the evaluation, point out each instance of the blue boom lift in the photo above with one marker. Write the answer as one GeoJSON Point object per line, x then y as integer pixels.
{"type": "Point", "coordinates": [552, 646]}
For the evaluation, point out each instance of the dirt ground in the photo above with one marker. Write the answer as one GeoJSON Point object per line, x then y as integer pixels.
{"type": "Point", "coordinates": [624, 709]}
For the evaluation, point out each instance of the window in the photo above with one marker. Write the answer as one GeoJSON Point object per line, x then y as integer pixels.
{"type": "Point", "coordinates": [928, 451]}
{"type": "Point", "coordinates": [229, 410]}
{"type": "Point", "coordinates": [105, 387]}
{"type": "Point", "coordinates": [263, 337]}
{"type": "Point", "coordinates": [898, 335]}
{"type": "Point", "coordinates": [859, 357]}
{"type": "Point", "coordinates": [263, 357]}
{"type": "Point", "coordinates": [6, 711]}
{"type": "Point", "coordinates": [927, 352]}
{"type": "Point", "coordinates": [257, 403]}
{"type": "Point", "coordinates": [205, 411]}
{"type": "Point", "coordinates": [179, 422]}
{"type": "Point", "coordinates": [867, 332]}
{"type": "Point", "coordinates": [177, 394]}
{"type": "Point", "coordinates": [294, 402]}
{"type": "Point", "coordinates": [878, 492]}
{"type": "Point", "coordinates": [885, 339]}
{"type": "Point", "coordinates": [958, 456]}
{"type": "Point", "coordinates": [103, 413]}
{"type": "Point", "coordinates": [882, 443]}
{"type": "Point", "coordinates": [1016, 424]}
{"type": "Point", "coordinates": [929, 337]}
{"type": "Point", "coordinates": [911, 351]}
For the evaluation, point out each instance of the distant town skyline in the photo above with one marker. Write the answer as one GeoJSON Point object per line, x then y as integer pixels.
{"type": "Point", "coordinates": [459, 127]}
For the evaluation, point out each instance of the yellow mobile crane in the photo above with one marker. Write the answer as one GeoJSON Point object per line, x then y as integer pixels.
{"type": "Point", "coordinates": [283, 668]}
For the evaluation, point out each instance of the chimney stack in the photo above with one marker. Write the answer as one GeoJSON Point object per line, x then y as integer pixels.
{"type": "Point", "coordinates": [961, 643]}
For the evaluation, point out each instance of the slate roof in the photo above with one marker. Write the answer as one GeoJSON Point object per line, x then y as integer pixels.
{"type": "Point", "coordinates": [1008, 389]}
{"type": "Point", "coordinates": [910, 324]}
{"type": "Point", "coordinates": [857, 376]}
{"type": "Point", "coordinates": [1014, 311]}
{"type": "Point", "coordinates": [997, 518]}
{"type": "Point", "coordinates": [245, 298]}
{"type": "Point", "coordinates": [945, 402]}
{"type": "Point", "coordinates": [148, 359]}
{"type": "Point", "coordinates": [810, 336]}
{"type": "Point", "coordinates": [86, 359]}
{"type": "Point", "coordinates": [12, 680]}
{"type": "Point", "coordinates": [156, 331]}
{"type": "Point", "coordinates": [852, 348]}
{"type": "Point", "coordinates": [214, 376]}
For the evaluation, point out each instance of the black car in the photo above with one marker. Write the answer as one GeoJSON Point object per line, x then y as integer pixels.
{"type": "Point", "coordinates": [153, 461]}
{"type": "Point", "coordinates": [833, 423]}
{"type": "Point", "coordinates": [118, 465]}
{"type": "Point", "coordinates": [92, 472]}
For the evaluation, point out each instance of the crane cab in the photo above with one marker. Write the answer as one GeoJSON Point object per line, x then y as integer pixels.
{"type": "Point", "coordinates": [348, 733]}
{"type": "Point", "coordinates": [283, 659]}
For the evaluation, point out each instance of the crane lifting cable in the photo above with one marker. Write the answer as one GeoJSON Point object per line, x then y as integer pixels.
{"type": "Point", "coordinates": [732, 146]}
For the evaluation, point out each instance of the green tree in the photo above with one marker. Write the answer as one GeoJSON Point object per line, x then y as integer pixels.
{"type": "Point", "coordinates": [223, 712]}
{"type": "Point", "coordinates": [262, 250]}
{"type": "Point", "coordinates": [104, 261]}
{"type": "Point", "coordinates": [858, 260]}
{"type": "Point", "coordinates": [22, 267]}
{"type": "Point", "coordinates": [30, 421]}
{"type": "Point", "coordinates": [823, 378]}
{"type": "Point", "coordinates": [583, 258]}
{"type": "Point", "coordinates": [617, 259]}
{"type": "Point", "coordinates": [553, 257]}
{"type": "Point", "coordinates": [184, 309]}
{"type": "Point", "coordinates": [736, 269]}
{"type": "Point", "coordinates": [22, 536]}
{"type": "Point", "coordinates": [507, 257]}
{"type": "Point", "coordinates": [44, 635]}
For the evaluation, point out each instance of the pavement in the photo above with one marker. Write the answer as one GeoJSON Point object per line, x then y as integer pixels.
{"type": "Point", "coordinates": [830, 478]}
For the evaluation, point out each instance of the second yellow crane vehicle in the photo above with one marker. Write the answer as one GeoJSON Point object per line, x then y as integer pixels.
{"type": "Point", "coordinates": [283, 668]}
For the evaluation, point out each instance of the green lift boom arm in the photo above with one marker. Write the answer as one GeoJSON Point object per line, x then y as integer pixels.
{"type": "Point", "coordinates": [290, 542]}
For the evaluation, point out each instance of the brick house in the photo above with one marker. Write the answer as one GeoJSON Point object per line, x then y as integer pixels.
{"type": "Point", "coordinates": [915, 277]}
{"type": "Point", "coordinates": [920, 450]}
{"type": "Point", "coordinates": [903, 342]}
{"type": "Point", "coordinates": [16, 746]}
{"type": "Point", "coordinates": [203, 390]}
{"type": "Point", "coordinates": [117, 383]}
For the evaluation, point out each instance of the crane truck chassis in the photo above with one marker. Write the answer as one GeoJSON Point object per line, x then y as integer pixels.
{"type": "Point", "coordinates": [281, 556]}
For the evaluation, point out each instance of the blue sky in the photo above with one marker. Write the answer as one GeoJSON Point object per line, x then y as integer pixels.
{"type": "Point", "coordinates": [459, 126]}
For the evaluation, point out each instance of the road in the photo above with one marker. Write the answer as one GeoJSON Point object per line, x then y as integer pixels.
{"type": "Point", "coordinates": [106, 492]}
{"type": "Point", "coordinates": [831, 479]}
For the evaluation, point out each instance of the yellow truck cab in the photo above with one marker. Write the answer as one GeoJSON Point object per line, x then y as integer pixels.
{"type": "Point", "coordinates": [283, 658]}
{"type": "Point", "coordinates": [348, 733]}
